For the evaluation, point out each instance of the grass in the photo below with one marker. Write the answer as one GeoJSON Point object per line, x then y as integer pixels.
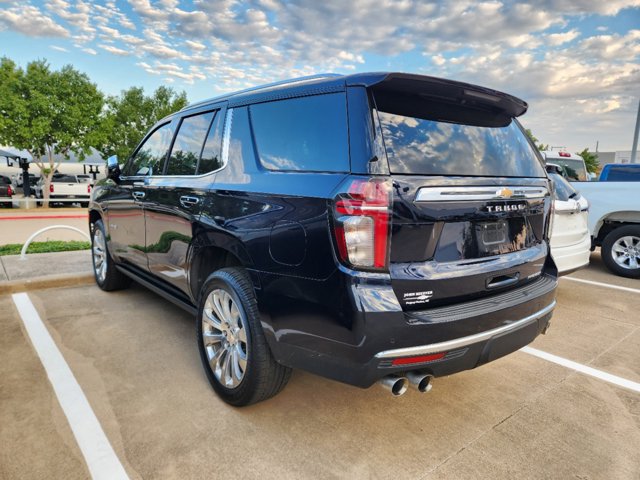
{"type": "Point", "coordinates": [45, 247]}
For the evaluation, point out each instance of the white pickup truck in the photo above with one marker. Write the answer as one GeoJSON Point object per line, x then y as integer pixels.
{"type": "Point", "coordinates": [65, 189]}
{"type": "Point", "coordinates": [614, 223]}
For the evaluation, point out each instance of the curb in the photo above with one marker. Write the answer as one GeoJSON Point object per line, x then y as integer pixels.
{"type": "Point", "coordinates": [49, 281]}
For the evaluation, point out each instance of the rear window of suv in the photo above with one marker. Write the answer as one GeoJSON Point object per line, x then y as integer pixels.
{"type": "Point", "coordinates": [302, 134]}
{"type": "Point", "coordinates": [420, 146]}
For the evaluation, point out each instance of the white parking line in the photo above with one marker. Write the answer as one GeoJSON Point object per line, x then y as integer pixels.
{"type": "Point", "coordinates": [102, 461]}
{"type": "Point", "coordinates": [578, 367]}
{"type": "Point", "coordinates": [600, 284]}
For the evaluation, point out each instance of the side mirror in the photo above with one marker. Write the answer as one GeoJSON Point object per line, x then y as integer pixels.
{"type": "Point", "coordinates": [113, 169]}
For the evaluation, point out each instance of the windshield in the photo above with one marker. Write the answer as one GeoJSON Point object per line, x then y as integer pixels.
{"type": "Point", "coordinates": [429, 147]}
{"type": "Point", "coordinates": [574, 169]}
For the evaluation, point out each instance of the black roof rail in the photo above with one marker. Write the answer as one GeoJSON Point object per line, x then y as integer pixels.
{"type": "Point", "coordinates": [290, 81]}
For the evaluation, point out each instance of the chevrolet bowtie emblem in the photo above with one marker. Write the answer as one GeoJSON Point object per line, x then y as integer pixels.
{"type": "Point", "coordinates": [504, 193]}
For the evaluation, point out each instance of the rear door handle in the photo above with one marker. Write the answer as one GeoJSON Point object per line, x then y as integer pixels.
{"type": "Point", "coordinates": [138, 195]}
{"type": "Point", "coordinates": [503, 280]}
{"type": "Point", "coordinates": [188, 201]}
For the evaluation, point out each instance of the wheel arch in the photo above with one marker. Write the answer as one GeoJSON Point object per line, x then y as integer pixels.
{"type": "Point", "coordinates": [207, 257]}
{"type": "Point", "coordinates": [612, 221]}
{"type": "Point", "coordinates": [94, 216]}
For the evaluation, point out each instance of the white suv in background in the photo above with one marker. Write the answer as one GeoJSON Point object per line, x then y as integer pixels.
{"type": "Point", "coordinates": [570, 237]}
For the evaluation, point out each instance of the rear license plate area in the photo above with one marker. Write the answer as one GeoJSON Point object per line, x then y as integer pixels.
{"type": "Point", "coordinates": [501, 236]}
{"type": "Point", "coordinates": [493, 233]}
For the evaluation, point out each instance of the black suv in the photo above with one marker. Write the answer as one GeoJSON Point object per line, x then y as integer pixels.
{"type": "Point", "coordinates": [372, 227]}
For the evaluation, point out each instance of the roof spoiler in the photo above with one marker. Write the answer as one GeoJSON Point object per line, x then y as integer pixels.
{"type": "Point", "coordinates": [443, 90]}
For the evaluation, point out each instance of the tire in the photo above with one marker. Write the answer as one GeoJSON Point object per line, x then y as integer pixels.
{"type": "Point", "coordinates": [621, 251]}
{"type": "Point", "coordinates": [107, 276]}
{"type": "Point", "coordinates": [234, 332]}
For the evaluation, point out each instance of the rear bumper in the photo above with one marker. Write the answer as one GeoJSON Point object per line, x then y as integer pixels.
{"type": "Point", "coordinates": [69, 197]}
{"type": "Point", "coordinates": [572, 257]}
{"type": "Point", "coordinates": [439, 341]}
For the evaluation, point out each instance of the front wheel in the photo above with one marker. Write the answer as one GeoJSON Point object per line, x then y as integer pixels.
{"type": "Point", "coordinates": [621, 251]}
{"type": "Point", "coordinates": [232, 345]}
{"type": "Point", "coordinates": [107, 276]}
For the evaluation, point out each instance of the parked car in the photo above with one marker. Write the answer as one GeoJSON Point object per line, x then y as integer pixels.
{"type": "Point", "coordinates": [403, 241]}
{"type": "Point", "coordinates": [619, 172]}
{"type": "Point", "coordinates": [6, 191]}
{"type": "Point", "coordinates": [64, 189]}
{"type": "Point", "coordinates": [614, 224]}
{"type": "Point", "coordinates": [570, 237]}
{"type": "Point", "coordinates": [17, 179]}
{"type": "Point", "coordinates": [573, 167]}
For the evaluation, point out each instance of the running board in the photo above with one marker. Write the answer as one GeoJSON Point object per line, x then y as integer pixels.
{"type": "Point", "coordinates": [163, 292]}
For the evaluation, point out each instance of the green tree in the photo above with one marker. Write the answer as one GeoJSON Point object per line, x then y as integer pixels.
{"type": "Point", "coordinates": [129, 116]}
{"type": "Point", "coordinates": [539, 146]}
{"type": "Point", "coordinates": [590, 160]}
{"type": "Point", "coordinates": [47, 112]}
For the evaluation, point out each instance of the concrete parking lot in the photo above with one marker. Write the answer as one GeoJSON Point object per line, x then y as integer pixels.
{"type": "Point", "coordinates": [135, 358]}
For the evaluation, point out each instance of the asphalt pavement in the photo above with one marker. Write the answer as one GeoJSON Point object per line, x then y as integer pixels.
{"type": "Point", "coordinates": [134, 357]}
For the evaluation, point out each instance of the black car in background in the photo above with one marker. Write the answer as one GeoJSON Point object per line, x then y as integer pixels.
{"type": "Point", "coordinates": [372, 227]}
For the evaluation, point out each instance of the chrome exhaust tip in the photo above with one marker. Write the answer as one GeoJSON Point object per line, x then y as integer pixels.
{"type": "Point", "coordinates": [420, 381]}
{"type": "Point", "coordinates": [396, 385]}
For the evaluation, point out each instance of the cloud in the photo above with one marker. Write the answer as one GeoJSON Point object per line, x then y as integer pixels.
{"type": "Point", "coordinates": [115, 50]}
{"type": "Point", "coordinates": [30, 21]}
{"type": "Point", "coordinates": [556, 39]}
{"type": "Point", "coordinates": [438, 60]}
{"type": "Point", "coordinates": [58, 48]}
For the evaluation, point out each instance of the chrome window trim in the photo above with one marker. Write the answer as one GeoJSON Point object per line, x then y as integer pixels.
{"type": "Point", "coordinates": [467, 193]}
{"type": "Point", "coordinates": [464, 341]}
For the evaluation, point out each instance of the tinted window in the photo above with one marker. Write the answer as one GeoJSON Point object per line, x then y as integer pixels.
{"type": "Point", "coordinates": [5, 180]}
{"type": "Point", "coordinates": [574, 169]}
{"type": "Point", "coordinates": [149, 159]}
{"type": "Point", "coordinates": [564, 190]}
{"type": "Point", "coordinates": [623, 174]}
{"type": "Point", "coordinates": [188, 144]}
{"type": "Point", "coordinates": [210, 159]}
{"type": "Point", "coordinates": [429, 147]}
{"type": "Point", "coordinates": [64, 178]}
{"type": "Point", "coordinates": [308, 134]}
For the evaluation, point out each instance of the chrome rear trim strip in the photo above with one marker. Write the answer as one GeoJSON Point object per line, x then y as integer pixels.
{"type": "Point", "coordinates": [458, 194]}
{"type": "Point", "coordinates": [464, 341]}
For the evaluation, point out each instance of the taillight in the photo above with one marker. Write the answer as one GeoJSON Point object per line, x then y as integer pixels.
{"type": "Point", "coordinates": [89, 188]}
{"type": "Point", "coordinates": [51, 188]}
{"type": "Point", "coordinates": [362, 216]}
{"type": "Point", "coordinates": [564, 154]}
{"type": "Point", "coordinates": [9, 190]}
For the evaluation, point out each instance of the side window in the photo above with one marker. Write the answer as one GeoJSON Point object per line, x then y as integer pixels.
{"type": "Point", "coordinates": [188, 144]}
{"type": "Point", "coordinates": [302, 134]}
{"type": "Point", "coordinates": [211, 158]}
{"type": "Point", "coordinates": [149, 159]}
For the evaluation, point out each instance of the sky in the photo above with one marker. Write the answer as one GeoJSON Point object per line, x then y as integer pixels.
{"type": "Point", "coordinates": [575, 62]}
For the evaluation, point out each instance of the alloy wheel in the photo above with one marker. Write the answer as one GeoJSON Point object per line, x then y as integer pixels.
{"type": "Point", "coordinates": [224, 335]}
{"type": "Point", "coordinates": [99, 255]}
{"type": "Point", "coordinates": [626, 252]}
